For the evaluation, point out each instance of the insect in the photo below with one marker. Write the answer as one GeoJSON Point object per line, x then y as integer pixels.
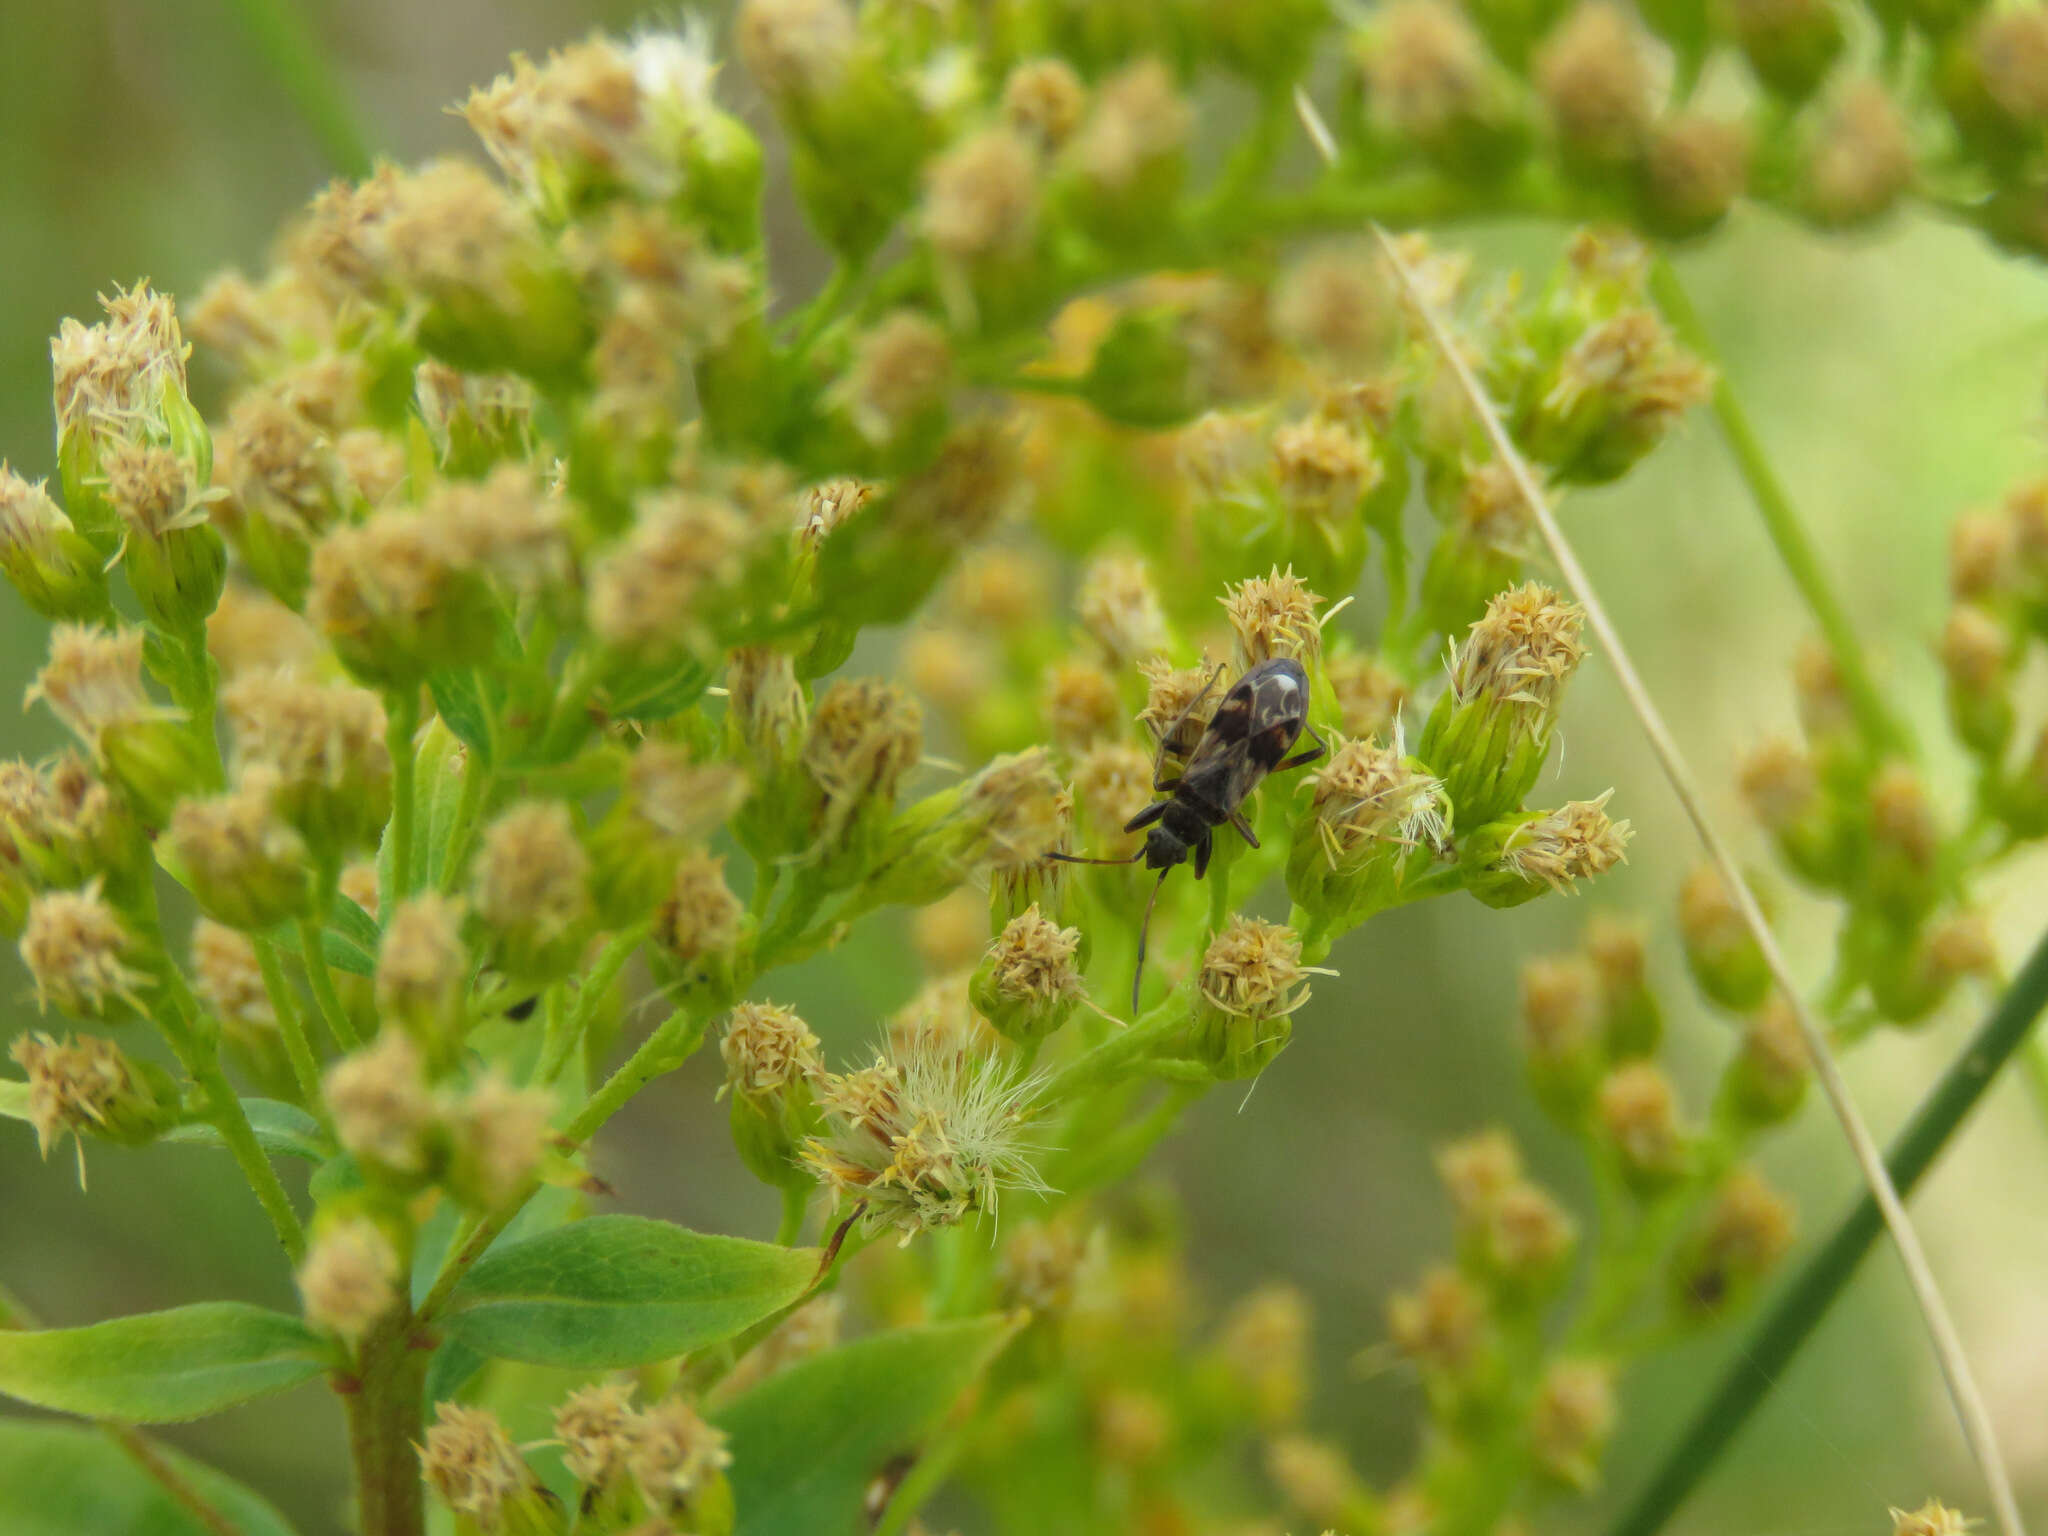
{"type": "Point", "coordinates": [1251, 734]}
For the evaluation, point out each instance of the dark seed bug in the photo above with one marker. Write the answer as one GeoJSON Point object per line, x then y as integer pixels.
{"type": "Point", "coordinates": [1251, 735]}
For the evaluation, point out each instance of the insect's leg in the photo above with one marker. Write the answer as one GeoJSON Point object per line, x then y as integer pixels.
{"type": "Point", "coordinates": [1144, 939]}
{"type": "Point", "coordinates": [1147, 816]}
{"type": "Point", "coordinates": [1244, 828]}
{"type": "Point", "coordinates": [1203, 849]}
{"type": "Point", "coordinates": [1171, 734]}
{"type": "Point", "coordinates": [1302, 759]}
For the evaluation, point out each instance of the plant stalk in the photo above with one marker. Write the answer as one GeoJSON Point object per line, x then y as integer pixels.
{"type": "Point", "coordinates": [382, 1405]}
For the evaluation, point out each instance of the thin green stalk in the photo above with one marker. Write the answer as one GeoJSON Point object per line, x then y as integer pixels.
{"type": "Point", "coordinates": [1119, 1050]}
{"type": "Point", "coordinates": [290, 1023]}
{"type": "Point", "coordinates": [298, 62]}
{"type": "Point", "coordinates": [796, 1204]}
{"type": "Point", "coordinates": [141, 1450]}
{"type": "Point", "coordinates": [1881, 727]}
{"type": "Point", "coordinates": [401, 720]}
{"type": "Point", "coordinates": [477, 779]}
{"type": "Point", "coordinates": [1756, 1366]}
{"type": "Point", "coordinates": [671, 1044]}
{"type": "Point", "coordinates": [313, 956]}
{"type": "Point", "coordinates": [934, 1464]}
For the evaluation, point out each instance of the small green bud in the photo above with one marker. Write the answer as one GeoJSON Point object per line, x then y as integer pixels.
{"type": "Point", "coordinates": [678, 1463]}
{"type": "Point", "coordinates": [1791, 44]}
{"type": "Point", "coordinates": [325, 743]}
{"type": "Point", "coordinates": [84, 960]}
{"type": "Point", "coordinates": [285, 484]}
{"type": "Point", "coordinates": [55, 569]}
{"type": "Point", "coordinates": [1370, 808]}
{"type": "Point", "coordinates": [401, 595]}
{"type": "Point", "coordinates": [1488, 532]}
{"type": "Point", "coordinates": [1561, 1035]}
{"type": "Point", "coordinates": [1143, 371]}
{"type": "Point", "coordinates": [1765, 1083]}
{"type": "Point", "coordinates": [243, 862]}
{"type": "Point", "coordinates": [1609, 396]}
{"type": "Point", "coordinates": [1903, 873]}
{"type": "Point", "coordinates": [700, 927]}
{"type": "Point", "coordinates": [1638, 1119]}
{"type": "Point", "coordinates": [1489, 733]}
{"type": "Point", "coordinates": [1445, 1327]}
{"type": "Point", "coordinates": [1859, 158]}
{"type": "Point", "coordinates": [1978, 658]}
{"type": "Point", "coordinates": [1909, 979]}
{"type": "Point", "coordinates": [67, 828]}
{"type": "Point", "coordinates": [476, 1471]}
{"type": "Point", "coordinates": [1003, 818]}
{"type": "Point", "coordinates": [1029, 981]}
{"type": "Point", "coordinates": [1634, 1025]}
{"type": "Point", "coordinates": [349, 1279]}
{"type": "Point", "coordinates": [1743, 1235]}
{"type": "Point", "coordinates": [1571, 1421]}
{"type": "Point", "coordinates": [1125, 167]}
{"type": "Point", "coordinates": [1521, 857]}
{"type": "Point", "coordinates": [175, 560]}
{"type": "Point", "coordinates": [670, 806]}
{"type": "Point", "coordinates": [1429, 81]}
{"type": "Point", "coordinates": [530, 890]}
{"type": "Point", "coordinates": [864, 738]}
{"type": "Point", "coordinates": [1694, 168]}
{"type": "Point", "coordinates": [1594, 78]}
{"type": "Point", "coordinates": [383, 1114]}
{"type": "Point", "coordinates": [595, 1425]}
{"type": "Point", "coordinates": [423, 975]}
{"type": "Point", "coordinates": [771, 1061]}
{"type": "Point", "coordinates": [1783, 789]}
{"type": "Point", "coordinates": [86, 1086]}
{"type": "Point", "coordinates": [896, 388]}
{"type": "Point", "coordinates": [1251, 981]}
{"type": "Point", "coordinates": [1523, 1244]}
{"type": "Point", "coordinates": [1726, 961]}
{"type": "Point", "coordinates": [498, 1137]}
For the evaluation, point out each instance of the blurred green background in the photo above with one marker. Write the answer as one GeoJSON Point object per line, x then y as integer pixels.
{"type": "Point", "coordinates": [1898, 380]}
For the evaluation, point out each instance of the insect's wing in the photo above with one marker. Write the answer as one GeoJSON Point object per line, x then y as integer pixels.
{"type": "Point", "coordinates": [1278, 710]}
{"type": "Point", "coordinates": [1224, 768]}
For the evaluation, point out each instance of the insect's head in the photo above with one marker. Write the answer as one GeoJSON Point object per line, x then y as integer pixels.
{"type": "Point", "coordinates": [1164, 848]}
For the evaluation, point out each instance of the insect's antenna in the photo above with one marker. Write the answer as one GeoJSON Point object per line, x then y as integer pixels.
{"type": "Point", "coordinates": [1075, 858]}
{"type": "Point", "coordinates": [1144, 936]}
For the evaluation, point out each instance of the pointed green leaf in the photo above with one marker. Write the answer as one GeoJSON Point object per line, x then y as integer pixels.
{"type": "Point", "coordinates": [620, 1290]}
{"type": "Point", "coordinates": [66, 1480]}
{"type": "Point", "coordinates": [468, 700]}
{"type": "Point", "coordinates": [161, 1367]}
{"type": "Point", "coordinates": [808, 1441]}
{"type": "Point", "coordinates": [281, 1128]}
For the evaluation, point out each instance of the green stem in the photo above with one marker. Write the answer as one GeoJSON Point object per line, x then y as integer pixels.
{"type": "Point", "coordinates": [383, 1408]}
{"type": "Point", "coordinates": [1127, 1046]}
{"type": "Point", "coordinates": [401, 720]}
{"type": "Point", "coordinates": [143, 1452]}
{"type": "Point", "coordinates": [672, 1043]}
{"type": "Point", "coordinates": [824, 307]}
{"type": "Point", "coordinates": [476, 787]}
{"type": "Point", "coordinates": [934, 1464]}
{"type": "Point", "coordinates": [1777, 1337]}
{"type": "Point", "coordinates": [226, 1112]}
{"type": "Point", "coordinates": [298, 61]}
{"type": "Point", "coordinates": [314, 957]}
{"type": "Point", "coordinates": [1788, 535]}
{"type": "Point", "coordinates": [290, 1023]}
{"type": "Point", "coordinates": [1121, 1152]}
{"type": "Point", "coordinates": [796, 1204]}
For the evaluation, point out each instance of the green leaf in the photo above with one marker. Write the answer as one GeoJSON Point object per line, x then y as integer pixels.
{"type": "Point", "coordinates": [161, 1367]}
{"type": "Point", "coordinates": [437, 791]}
{"type": "Point", "coordinates": [349, 941]}
{"type": "Point", "coordinates": [808, 1441]}
{"type": "Point", "coordinates": [13, 1099]}
{"type": "Point", "coordinates": [66, 1480]}
{"type": "Point", "coordinates": [281, 1128]}
{"type": "Point", "coordinates": [656, 695]}
{"type": "Point", "coordinates": [620, 1290]}
{"type": "Point", "coordinates": [469, 700]}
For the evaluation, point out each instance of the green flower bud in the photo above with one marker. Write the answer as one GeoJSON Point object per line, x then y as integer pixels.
{"type": "Point", "coordinates": [1784, 792]}
{"type": "Point", "coordinates": [285, 485]}
{"type": "Point", "coordinates": [66, 827]}
{"type": "Point", "coordinates": [1488, 535]}
{"type": "Point", "coordinates": [1274, 615]}
{"type": "Point", "coordinates": [1978, 658]}
{"type": "Point", "coordinates": [1726, 961]}
{"type": "Point", "coordinates": [1694, 168]}
{"type": "Point", "coordinates": [384, 1116]}
{"type": "Point", "coordinates": [1120, 609]}
{"type": "Point", "coordinates": [86, 1086]}
{"type": "Point", "coordinates": [1765, 1083]}
{"type": "Point", "coordinates": [1489, 733]}
{"type": "Point", "coordinates": [1521, 857]}
{"type": "Point", "coordinates": [498, 1137]}
{"type": "Point", "coordinates": [1638, 1119]}
{"type": "Point", "coordinates": [1742, 1236]}
{"type": "Point", "coordinates": [1791, 44]}
{"type": "Point", "coordinates": [864, 737]}
{"type": "Point", "coordinates": [1562, 1035]}
{"type": "Point", "coordinates": [84, 960]}
{"type": "Point", "coordinates": [700, 929]}
{"type": "Point", "coordinates": [530, 890]}
{"type": "Point", "coordinates": [475, 1470]}
{"type": "Point", "coordinates": [120, 381]}
{"type": "Point", "coordinates": [1903, 872]}
{"type": "Point", "coordinates": [678, 1463]}
{"type": "Point", "coordinates": [1014, 889]}
{"type": "Point", "coordinates": [1251, 981]}
{"type": "Point", "coordinates": [55, 569]}
{"type": "Point", "coordinates": [1444, 1327]}
{"type": "Point", "coordinates": [1045, 100]}
{"type": "Point", "coordinates": [1594, 78]}
{"type": "Point", "coordinates": [402, 595]}
{"type": "Point", "coordinates": [1430, 82]}
{"type": "Point", "coordinates": [1003, 818]}
{"type": "Point", "coordinates": [239, 858]}
{"type": "Point", "coordinates": [1521, 1245]}
{"type": "Point", "coordinates": [670, 806]}
{"type": "Point", "coordinates": [771, 1061]}
{"type": "Point", "coordinates": [1608, 397]}
{"type": "Point", "coordinates": [1029, 980]}
{"type": "Point", "coordinates": [1634, 1024]}
{"type": "Point", "coordinates": [349, 1278]}
{"type": "Point", "coordinates": [1909, 978]}
{"type": "Point", "coordinates": [1859, 158]}
{"type": "Point", "coordinates": [648, 593]}
{"type": "Point", "coordinates": [1124, 168]}
{"type": "Point", "coordinates": [595, 1425]}
{"type": "Point", "coordinates": [1371, 808]}
{"type": "Point", "coordinates": [423, 975]}
{"type": "Point", "coordinates": [896, 387]}
{"type": "Point", "coordinates": [175, 560]}
{"type": "Point", "coordinates": [1143, 371]}
{"type": "Point", "coordinates": [1571, 1421]}
{"type": "Point", "coordinates": [325, 743]}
